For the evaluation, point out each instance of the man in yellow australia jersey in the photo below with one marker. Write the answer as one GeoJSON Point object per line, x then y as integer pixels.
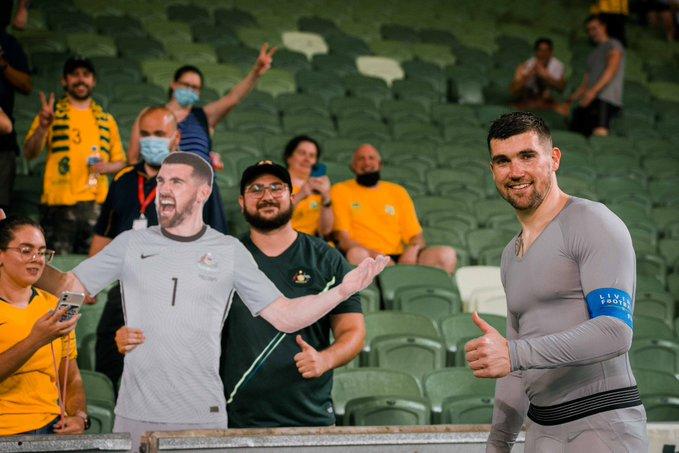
{"type": "Point", "coordinates": [374, 217]}
{"type": "Point", "coordinates": [83, 145]}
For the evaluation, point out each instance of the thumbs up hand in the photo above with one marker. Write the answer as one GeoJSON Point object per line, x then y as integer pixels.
{"type": "Point", "coordinates": [488, 355]}
{"type": "Point", "coordinates": [310, 363]}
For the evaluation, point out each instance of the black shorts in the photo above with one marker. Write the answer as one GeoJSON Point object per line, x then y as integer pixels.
{"type": "Point", "coordinates": [597, 114]}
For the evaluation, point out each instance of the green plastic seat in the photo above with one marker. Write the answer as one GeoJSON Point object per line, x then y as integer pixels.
{"type": "Point", "coordinates": [653, 382]}
{"type": "Point", "coordinates": [98, 388]}
{"type": "Point", "coordinates": [458, 329]}
{"type": "Point", "coordinates": [342, 107]}
{"type": "Point", "coordinates": [243, 57]}
{"type": "Point", "coordinates": [234, 17]}
{"type": "Point", "coordinates": [351, 46]}
{"type": "Point", "coordinates": [361, 128]}
{"type": "Point", "coordinates": [87, 352]}
{"type": "Point", "coordinates": [339, 64]}
{"type": "Point", "coordinates": [655, 305]}
{"type": "Point", "coordinates": [254, 122]}
{"type": "Point", "coordinates": [372, 88]}
{"type": "Point", "coordinates": [467, 410]}
{"type": "Point", "coordinates": [483, 239]}
{"type": "Point", "coordinates": [193, 53]}
{"type": "Point", "coordinates": [415, 130]}
{"type": "Point", "coordinates": [387, 411]}
{"type": "Point", "coordinates": [434, 303]}
{"type": "Point", "coordinates": [290, 60]}
{"type": "Point", "coordinates": [654, 354]}
{"type": "Point", "coordinates": [169, 32]}
{"type": "Point", "coordinates": [159, 71]}
{"type": "Point", "coordinates": [661, 408]}
{"type": "Point", "coordinates": [646, 327]}
{"type": "Point", "coordinates": [414, 354]}
{"type": "Point", "coordinates": [369, 382]}
{"type": "Point", "coordinates": [118, 26]}
{"type": "Point", "coordinates": [370, 298]}
{"type": "Point", "coordinates": [216, 36]}
{"type": "Point", "coordinates": [396, 277]}
{"type": "Point", "coordinates": [454, 382]}
{"type": "Point", "coordinates": [140, 48]}
{"type": "Point", "coordinates": [302, 103]}
{"type": "Point", "coordinates": [429, 204]}
{"type": "Point", "coordinates": [191, 14]}
{"type": "Point", "coordinates": [308, 124]}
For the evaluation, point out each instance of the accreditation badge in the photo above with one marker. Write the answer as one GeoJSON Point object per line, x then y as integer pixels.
{"type": "Point", "coordinates": [141, 223]}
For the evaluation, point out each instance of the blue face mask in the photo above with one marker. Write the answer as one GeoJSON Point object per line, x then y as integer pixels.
{"type": "Point", "coordinates": [154, 150]}
{"type": "Point", "coordinates": [186, 96]}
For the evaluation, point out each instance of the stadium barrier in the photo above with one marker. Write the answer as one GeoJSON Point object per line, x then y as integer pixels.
{"type": "Point", "coordinates": [344, 439]}
{"type": "Point", "coordinates": [50, 442]}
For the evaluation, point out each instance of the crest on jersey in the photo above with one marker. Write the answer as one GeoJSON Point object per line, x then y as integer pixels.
{"type": "Point", "coordinates": [389, 209]}
{"type": "Point", "coordinates": [301, 278]}
{"type": "Point", "coordinates": [207, 262]}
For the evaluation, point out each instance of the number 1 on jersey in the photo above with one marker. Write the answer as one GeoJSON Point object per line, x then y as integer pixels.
{"type": "Point", "coordinates": [174, 289]}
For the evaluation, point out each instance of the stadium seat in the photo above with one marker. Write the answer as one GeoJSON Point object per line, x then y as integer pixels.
{"type": "Point", "coordinates": [339, 64]}
{"type": "Point", "coordinates": [458, 329]}
{"type": "Point", "coordinates": [393, 278]}
{"type": "Point", "coordinates": [98, 388]}
{"type": "Point", "coordinates": [470, 278]}
{"type": "Point", "coordinates": [243, 57]}
{"type": "Point", "coordinates": [290, 60]}
{"type": "Point", "coordinates": [87, 352]}
{"type": "Point", "coordinates": [387, 411]}
{"type": "Point", "coordinates": [351, 46]}
{"type": "Point", "coordinates": [306, 43]}
{"type": "Point", "coordinates": [661, 408]}
{"type": "Point", "coordinates": [169, 32]}
{"type": "Point", "coordinates": [434, 303]}
{"type": "Point", "coordinates": [191, 14]}
{"type": "Point", "coordinates": [373, 88]}
{"type": "Point", "coordinates": [646, 327]}
{"type": "Point", "coordinates": [656, 305]}
{"type": "Point", "coordinates": [655, 354]}
{"type": "Point", "coordinates": [411, 353]}
{"type": "Point", "coordinates": [320, 25]}
{"type": "Point", "coordinates": [234, 17]}
{"type": "Point", "coordinates": [453, 382]}
{"type": "Point", "coordinates": [302, 103]}
{"type": "Point", "coordinates": [308, 124]}
{"type": "Point", "coordinates": [370, 382]}
{"type": "Point", "coordinates": [383, 68]}
{"type": "Point", "coordinates": [370, 298]}
{"type": "Point", "coordinates": [485, 238]}
{"type": "Point", "coordinates": [488, 301]}
{"type": "Point", "coordinates": [342, 107]}
{"type": "Point", "coordinates": [323, 84]}
{"type": "Point", "coordinates": [193, 53]}
{"type": "Point", "coordinates": [467, 410]}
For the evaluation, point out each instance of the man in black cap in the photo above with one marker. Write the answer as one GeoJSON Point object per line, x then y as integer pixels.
{"type": "Point", "coordinates": [300, 365]}
{"type": "Point", "coordinates": [14, 76]}
{"type": "Point", "coordinates": [83, 145]}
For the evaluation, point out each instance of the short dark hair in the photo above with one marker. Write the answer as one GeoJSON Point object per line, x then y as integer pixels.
{"type": "Point", "coordinates": [596, 17]}
{"type": "Point", "coordinates": [12, 223]}
{"type": "Point", "coordinates": [294, 143]}
{"type": "Point", "coordinates": [201, 169]}
{"type": "Point", "coordinates": [183, 70]}
{"type": "Point", "coordinates": [543, 41]}
{"type": "Point", "coordinates": [515, 123]}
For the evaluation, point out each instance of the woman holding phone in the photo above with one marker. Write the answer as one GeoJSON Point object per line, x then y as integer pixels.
{"type": "Point", "coordinates": [310, 187]}
{"type": "Point", "coordinates": [37, 349]}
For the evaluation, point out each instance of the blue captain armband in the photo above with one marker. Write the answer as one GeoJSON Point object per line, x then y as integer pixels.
{"type": "Point", "coordinates": [610, 302]}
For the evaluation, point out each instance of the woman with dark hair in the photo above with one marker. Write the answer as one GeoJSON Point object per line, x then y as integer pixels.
{"type": "Point", "coordinates": [196, 123]}
{"type": "Point", "coordinates": [310, 194]}
{"type": "Point", "coordinates": [37, 349]}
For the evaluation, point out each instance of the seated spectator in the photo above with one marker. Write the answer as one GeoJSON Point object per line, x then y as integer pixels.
{"type": "Point", "coordinates": [599, 96]}
{"type": "Point", "coordinates": [374, 217]}
{"type": "Point", "coordinates": [311, 195]}
{"type": "Point", "coordinates": [32, 337]}
{"type": "Point", "coordinates": [536, 77]}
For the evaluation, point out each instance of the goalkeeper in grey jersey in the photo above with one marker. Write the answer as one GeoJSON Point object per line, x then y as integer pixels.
{"type": "Point", "coordinates": [177, 280]}
{"type": "Point", "coordinates": [569, 277]}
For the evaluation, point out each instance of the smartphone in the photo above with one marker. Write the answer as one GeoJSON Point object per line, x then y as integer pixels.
{"type": "Point", "coordinates": [318, 170]}
{"type": "Point", "coordinates": [72, 302]}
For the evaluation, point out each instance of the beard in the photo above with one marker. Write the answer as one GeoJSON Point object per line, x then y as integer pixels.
{"type": "Point", "coordinates": [71, 90]}
{"type": "Point", "coordinates": [170, 221]}
{"type": "Point", "coordinates": [260, 223]}
{"type": "Point", "coordinates": [531, 202]}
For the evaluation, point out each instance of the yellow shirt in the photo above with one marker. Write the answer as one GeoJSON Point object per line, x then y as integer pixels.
{"type": "Point", "coordinates": [380, 218]}
{"type": "Point", "coordinates": [611, 7]}
{"type": "Point", "coordinates": [307, 215]}
{"type": "Point", "coordinates": [29, 397]}
{"type": "Point", "coordinates": [67, 174]}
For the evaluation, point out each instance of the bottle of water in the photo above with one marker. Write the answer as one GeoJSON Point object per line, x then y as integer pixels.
{"type": "Point", "coordinates": [94, 158]}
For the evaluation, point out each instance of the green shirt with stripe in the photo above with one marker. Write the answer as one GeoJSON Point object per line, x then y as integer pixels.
{"type": "Point", "coordinates": [276, 394]}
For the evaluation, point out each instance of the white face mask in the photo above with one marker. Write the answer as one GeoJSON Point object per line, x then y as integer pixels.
{"type": "Point", "coordinates": [154, 150]}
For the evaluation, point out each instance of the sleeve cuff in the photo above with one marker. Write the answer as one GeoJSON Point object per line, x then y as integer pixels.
{"type": "Point", "coordinates": [514, 355]}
